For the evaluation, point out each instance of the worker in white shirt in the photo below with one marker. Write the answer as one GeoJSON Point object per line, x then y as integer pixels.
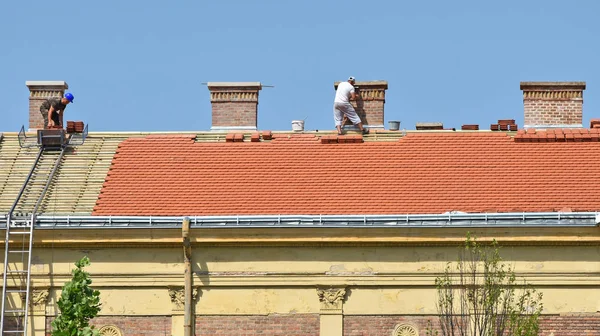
{"type": "Point", "coordinates": [342, 107]}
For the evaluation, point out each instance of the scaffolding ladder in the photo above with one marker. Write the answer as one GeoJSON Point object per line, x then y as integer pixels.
{"type": "Point", "coordinates": [18, 244]}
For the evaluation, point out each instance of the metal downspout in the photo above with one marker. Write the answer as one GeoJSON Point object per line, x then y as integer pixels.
{"type": "Point", "coordinates": [187, 258]}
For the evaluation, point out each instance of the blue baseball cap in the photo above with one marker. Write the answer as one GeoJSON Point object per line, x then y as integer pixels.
{"type": "Point", "coordinates": [69, 96]}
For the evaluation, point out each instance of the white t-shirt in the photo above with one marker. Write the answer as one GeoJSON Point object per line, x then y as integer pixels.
{"type": "Point", "coordinates": [343, 92]}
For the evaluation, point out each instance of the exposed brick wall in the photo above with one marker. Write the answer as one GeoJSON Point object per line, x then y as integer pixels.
{"type": "Point", "coordinates": [234, 114]}
{"type": "Point", "coordinates": [129, 325]}
{"type": "Point", "coordinates": [370, 111]}
{"type": "Point", "coordinates": [566, 325]}
{"type": "Point", "coordinates": [271, 325]}
{"type": "Point", "coordinates": [540, 112]}
{"type": "Point", "coordinates": [576, 324]}
{"type": "Point", "coordinates": [35, 117]}
{"type": "Point", "coordinates": [553, 104]}
{"type": "Point", "coordinates": [361, 325]}
{"type": "Point", "coordinates": [308, 324]}
{"type": "Point", "coordinates": [13, 323]}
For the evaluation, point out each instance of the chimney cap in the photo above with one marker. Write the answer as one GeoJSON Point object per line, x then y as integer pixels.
{"type": "Point", "coordinates": [47, 83]}
{"type": "Point", "coordinates": [553, 85]}
{"type": "Point", "coordinates": [257, 85]}
{"type": "Point", "coordinates": [380, 84]}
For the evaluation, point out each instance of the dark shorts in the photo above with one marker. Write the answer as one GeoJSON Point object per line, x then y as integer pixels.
{"type": "Point", "coordinates": [54, 116]}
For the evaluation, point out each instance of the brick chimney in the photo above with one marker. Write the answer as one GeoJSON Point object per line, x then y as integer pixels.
{"type": "Point", "coordinates": [553, 104]}
{"type": "Point", "coordinates": [234, 105]}
{"type": "Point", "coordinates": [39, 91]}
{"type": "Point", "coordinates": [370, 107]}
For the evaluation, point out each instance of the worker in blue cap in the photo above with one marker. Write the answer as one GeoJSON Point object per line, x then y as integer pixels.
{"type": "Point", "coordinates": [53, 110]}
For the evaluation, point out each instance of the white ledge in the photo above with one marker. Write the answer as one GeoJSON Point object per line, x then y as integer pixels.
{"type": "Point", "coordinates": [554, 126]}
{"type": "Point", "coordinates": [234, 84]}
{"type": "Point", "coordinates": [233, 128]}
{"type": "Point", "coordinates": [47, 83]}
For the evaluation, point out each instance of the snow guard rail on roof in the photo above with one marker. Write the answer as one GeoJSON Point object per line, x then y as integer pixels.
{"type": "Point", "coordinates": [541, 219]}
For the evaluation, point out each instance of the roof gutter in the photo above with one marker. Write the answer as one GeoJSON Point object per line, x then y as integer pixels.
{"type": "Point", "coordinates": [479, 220]}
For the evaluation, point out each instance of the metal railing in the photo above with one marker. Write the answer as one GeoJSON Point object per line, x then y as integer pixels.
{"type": "Point", "coordinates": [543, 219]}
{"type": "Point", "coordinates": [25, 141]}
{"type": "Point", "coordinates": [76, 139]}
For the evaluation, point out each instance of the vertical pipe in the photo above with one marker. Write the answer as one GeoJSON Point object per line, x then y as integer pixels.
{"type": "Point", "coordinates": [187, 258]}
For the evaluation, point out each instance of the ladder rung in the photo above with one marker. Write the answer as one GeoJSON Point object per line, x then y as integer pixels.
{"type": "Point", "coordinates": [18, 251]}
{"type": "Point", "coordinates": [15, 331]}
{"type": "Point", "coordinates": [20, 232]}
{"type": "Point", "coordinates": [16, 291]}
{"type": "Point", "coordinates": [15, 311]}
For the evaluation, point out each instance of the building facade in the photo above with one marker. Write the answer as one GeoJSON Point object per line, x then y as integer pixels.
{"type": "Point", "coordinates": [303, 232]}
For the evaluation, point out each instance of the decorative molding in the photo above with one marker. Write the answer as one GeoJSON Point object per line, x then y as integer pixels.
{"type": "Point", "coordinates": [369, 90]}
{"type": "Point", "coordinates": [552, 90]}
{"type": "Point", "coordinates": [405, 330]}
{"type": "Point", "coordinates": [552, 95]}
{"type": "Point", "coordinates": [331, 298]}
{"type": "Point", "coordinates": [372, 94]}
{"type": "Point", "coordinates": [233, 96]}
{"type": "Point", "coordinates": [177, 296]}
{"type": "Point", "coordinates": [110, 330]}
{"type": "Point", "coordinates": [37, 299]}
{"type": "Point", "coordinates": [46, 93]}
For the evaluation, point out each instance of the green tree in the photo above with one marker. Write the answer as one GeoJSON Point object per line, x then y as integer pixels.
{"type": "Point", "coordinates": [78, 304]}
{"type": "Point", "coordinates": [480, 296]}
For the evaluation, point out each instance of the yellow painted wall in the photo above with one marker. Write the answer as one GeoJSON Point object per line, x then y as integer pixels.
{"type": "Point", "coordinates": [277, 272]}
{"type": "Point", "coordinates": [134, 271]}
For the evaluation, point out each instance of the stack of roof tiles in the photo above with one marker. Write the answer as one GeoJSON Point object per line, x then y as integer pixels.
{"type": "Point", "coordinates": [504, 125]}
{"type": "Point", "coordinates": [75, 126]}
{"type": "Point", "coordinates": [558, 135]}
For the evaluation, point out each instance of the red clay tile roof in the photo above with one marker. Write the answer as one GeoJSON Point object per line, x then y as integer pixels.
{"type": "Point", "coordinates": [421, 173]}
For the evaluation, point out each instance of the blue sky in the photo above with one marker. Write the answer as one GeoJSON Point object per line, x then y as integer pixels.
{"type": "Point", "coordinates": [139, 65]}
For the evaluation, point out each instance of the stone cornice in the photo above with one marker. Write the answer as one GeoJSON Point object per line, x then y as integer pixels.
{"type": "Point", "coordinates": [552, 86]}
{"type": "Point", "coordinates": [46, 89]}
{"type": "Point", "coordinates": [165, 238]}
{"type": "Point", "coordinates": [377, 279]}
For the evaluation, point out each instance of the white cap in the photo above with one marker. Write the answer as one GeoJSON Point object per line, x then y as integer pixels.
{"type": "Point", "coordinates": [351, 78]}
